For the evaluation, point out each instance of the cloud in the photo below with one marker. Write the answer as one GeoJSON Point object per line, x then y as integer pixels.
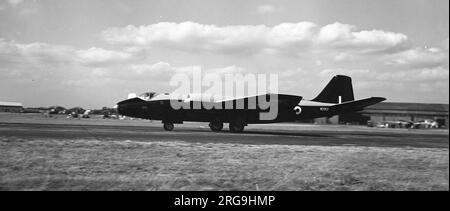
{"type": "Point", "coordinates": [46, 62]}
{"type": "Point", "coordinates": [165, 69]}
{"type": "Point", "coordinates": [233, 69]}
{"type": "Point", "coordinates": [160, 68]}
{"type": "Point", "coordinates": [344, 36]}
{"type": "Point", "coordinates": [285, 35]}
{"type": "Point", "coordinates": [94, 56]}
{"type": "Point", "coordinates": [438, 73]}
{"type": "Point", "coordinates": [420, 58]}
{"type": "Point", "coordinates": [15, 2]}
{"type": "Point", "coordinates": [267, 8]}
{"type": "Point", "coordinates": [45, 66]}
{"type": "Point", "coordinates": [292, 38]}
{"type": "Point", "coordinates": [23, 7]}
{"type": "Point", "coordinates": [189, 36]}
{"type": "Point", "coordinates": [141, 74]}
{"type": "Point", "coordinates": [397, 77]}
{"type": "Point", "coordinates": [35, 52]}
{"type": "Point", "coordinates": [340, 57]}
{"type": "Point", "coordinates": [38, 52]}
{"type": "Point", "coordinates": [421, 65]}
{"type": "Point", "coordinates": [359, 73]}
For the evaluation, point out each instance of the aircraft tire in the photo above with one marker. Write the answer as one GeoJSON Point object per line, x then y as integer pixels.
{"type": "Point", "coordinates": [216, 125]}
{"type": "Point", "coordinates": [236, 127]}
{"type": "Point", "coordinates": [168, 126]}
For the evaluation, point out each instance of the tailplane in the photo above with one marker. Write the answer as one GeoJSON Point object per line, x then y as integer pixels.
{"type": "Point", "coordinates": [338, 90]}
{"type": "Point", "coordinates": [357, 105]}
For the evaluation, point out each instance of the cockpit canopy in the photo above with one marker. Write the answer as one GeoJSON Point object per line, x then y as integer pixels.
{"type": "Point", "coordinates": [184, 97]}
{"type": "Point", "coordinates": [147, 95]}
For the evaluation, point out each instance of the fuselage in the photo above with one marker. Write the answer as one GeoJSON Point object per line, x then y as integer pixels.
{"type": "Point", "coordinates": [160, 108]}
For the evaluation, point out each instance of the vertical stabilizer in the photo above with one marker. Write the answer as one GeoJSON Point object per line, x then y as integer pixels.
{"type": "Point", "coordinates": [338, 90]}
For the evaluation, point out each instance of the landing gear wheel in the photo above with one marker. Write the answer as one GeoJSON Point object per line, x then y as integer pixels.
{"type": "Point", "coordinates": [236, 127]}
{"type": "Point", "coordinates": [168, 126]}
{"type": "Point", "coordinates": [216, 125]}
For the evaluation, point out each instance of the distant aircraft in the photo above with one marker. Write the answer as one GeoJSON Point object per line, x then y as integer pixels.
{"type": "Point", "coordinates": [86, 114]}
{"type": "Point", "coordinates": [427, 123]}
{"type": "Point", "coordinates": [335, 99]}
{"type": "Point", "coordinates": [395, 124]}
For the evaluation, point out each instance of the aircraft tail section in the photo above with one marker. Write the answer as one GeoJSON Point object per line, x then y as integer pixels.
{"type": "Point", "coordinates": [338, 90]}
{"type": "Point", "coordinates": [357, 105]}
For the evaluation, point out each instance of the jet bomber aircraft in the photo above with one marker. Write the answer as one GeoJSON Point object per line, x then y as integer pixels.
{"type": "Point", "coordinates": [335, 99]}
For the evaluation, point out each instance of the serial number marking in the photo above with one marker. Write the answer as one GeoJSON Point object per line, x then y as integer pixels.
{"type": "Point", "coordinates": [324, 109]}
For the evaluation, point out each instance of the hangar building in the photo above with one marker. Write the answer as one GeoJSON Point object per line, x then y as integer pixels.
{"type": "Point", "coordinates": [389, 111]}
{"type": "Point", "coordinates": [10, 107]}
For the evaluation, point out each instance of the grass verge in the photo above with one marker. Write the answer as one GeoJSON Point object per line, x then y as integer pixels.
{"type": "Point", "coordinates": [27, 164]}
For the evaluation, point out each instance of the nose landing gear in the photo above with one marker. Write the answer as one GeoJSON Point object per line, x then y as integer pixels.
{"type": "Point", "coordinates": [168, 126]}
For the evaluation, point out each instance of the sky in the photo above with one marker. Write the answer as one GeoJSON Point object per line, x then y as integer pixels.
{"type": "Point", "coordinates": [93, 53]}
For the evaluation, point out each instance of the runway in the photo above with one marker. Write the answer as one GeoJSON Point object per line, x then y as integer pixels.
{"type": "Point", "coordinates": [277, 134]}
{"type": "Point", "coordinates": [57, 153]}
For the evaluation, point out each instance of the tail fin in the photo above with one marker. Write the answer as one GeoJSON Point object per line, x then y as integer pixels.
{"type": "Point", "coordinates": [338, 90]}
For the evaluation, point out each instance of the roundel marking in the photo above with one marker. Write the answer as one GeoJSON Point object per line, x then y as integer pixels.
{"type": "Point", "coordinates": [298, 110]}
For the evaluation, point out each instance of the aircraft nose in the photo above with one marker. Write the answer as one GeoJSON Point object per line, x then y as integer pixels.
{"type": "Point", "coordinates": [129, 107]}
{"type": "Point", "coordinates": [121, 108]}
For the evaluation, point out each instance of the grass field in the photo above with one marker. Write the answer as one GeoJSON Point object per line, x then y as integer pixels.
{"type": "Point", "coordinates": [90, 164]}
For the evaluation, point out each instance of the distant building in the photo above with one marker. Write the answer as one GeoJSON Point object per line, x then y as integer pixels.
{"type": "Point", "coordinates": [10, 107]}
{"type": "Point", "coordinates": [387, 111]}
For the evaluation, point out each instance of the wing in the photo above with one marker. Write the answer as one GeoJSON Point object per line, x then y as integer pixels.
{"type": "Point", "coordinates": [250, 102]}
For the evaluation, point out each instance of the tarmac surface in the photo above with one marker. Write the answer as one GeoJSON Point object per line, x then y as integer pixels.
{"type": "Point", "coordinates": [16, 127]}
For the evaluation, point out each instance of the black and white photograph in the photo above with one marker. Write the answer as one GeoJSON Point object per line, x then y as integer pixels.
{"type": "Point", "coordinates": [224, 96]}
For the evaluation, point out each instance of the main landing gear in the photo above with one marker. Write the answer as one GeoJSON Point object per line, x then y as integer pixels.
{"type": "Point", "coordinates": [237, 125]}
{"type": "Point", "coordinates": [168, 126]}
{"type": "Point", "coordinates": [216, 125]}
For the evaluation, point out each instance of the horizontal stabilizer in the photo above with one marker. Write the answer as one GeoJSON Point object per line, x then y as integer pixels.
{"type": "Point", "coordinates": [357, 105]}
